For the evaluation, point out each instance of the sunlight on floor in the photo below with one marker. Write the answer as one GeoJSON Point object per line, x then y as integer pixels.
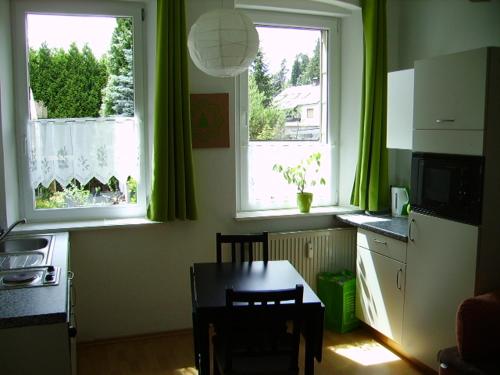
{"type": "Point", "coordinates": [186, 371]}
{"type": "Point", "coordinates": [366, 353]}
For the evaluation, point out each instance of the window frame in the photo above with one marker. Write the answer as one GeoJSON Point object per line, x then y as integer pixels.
{"type": "Point", "coordinates": [21, 94]}
{"type": "Point", "coordinates": [281, 19]}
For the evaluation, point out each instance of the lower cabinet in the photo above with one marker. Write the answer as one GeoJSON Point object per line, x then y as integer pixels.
{"type": "Point", "coordinates": [40, 349]}
{"type": "Point", "coordinates": [380, 283]}
{"type": "Point", "coordinates": [441, 270]}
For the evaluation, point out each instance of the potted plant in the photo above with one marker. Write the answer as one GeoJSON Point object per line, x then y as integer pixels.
{"type": "Point", "coordinates": [302, 176]}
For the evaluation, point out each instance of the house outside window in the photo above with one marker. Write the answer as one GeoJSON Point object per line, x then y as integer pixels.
{"type": "Point", "coordinates": [292, 117]}
{"type": "Point", "coordinates": [80, 105]}
{"type": "Point", "coordinates": [310, 112]}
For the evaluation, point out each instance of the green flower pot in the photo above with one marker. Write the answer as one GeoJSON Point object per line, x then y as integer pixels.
{"type": "Point", "coordinates": [304, 201]}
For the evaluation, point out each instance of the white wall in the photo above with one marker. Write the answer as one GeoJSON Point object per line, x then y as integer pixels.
{"type": "Point", "coordinates": [425, 29]}
{"type": "Point", "coordinates": [438, 27]}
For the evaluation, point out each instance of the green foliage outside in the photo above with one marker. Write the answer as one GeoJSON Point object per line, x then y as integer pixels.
{"type": "Point", "coordinates": [305, 70]}
{"type": "Point", "coordinates": [266, 121]}
{"type": "Point", "coordinates": [262, 78]}
{"type": "Point", "coordinates": [75, 84]}
{"type": "Point", "coordinates": [77, 195]}
{"type": "Point", "coordinates": [68, 83]}
{"type": "Point", "coordinates": [132, 189]}
{"type": "Point", "coordinates": [118, 95]}
{"type": "Point", "coordinates": [301, 175]}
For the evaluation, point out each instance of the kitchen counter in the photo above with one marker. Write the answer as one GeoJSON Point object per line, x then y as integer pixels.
{"type": "Point", "coordinates": [39, 305]}
{"type": "Point", "coordinates": [395, 227]}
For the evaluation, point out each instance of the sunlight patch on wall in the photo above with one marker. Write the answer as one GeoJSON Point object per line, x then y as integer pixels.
{"type": "Point", "coordinates": [366, 353]}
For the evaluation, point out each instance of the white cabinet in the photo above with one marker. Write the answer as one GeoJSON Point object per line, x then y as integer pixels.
{"type": "Point", "coordinates": [440, 273]}
{"type": "Point", "coordinates": [450, 91]}
{"type": "Point", "coordinates": [453, 101]}
{"type": "Point", "coordinates": [380, 283]}
{"type": "Point", "coordinates": [400, 109]}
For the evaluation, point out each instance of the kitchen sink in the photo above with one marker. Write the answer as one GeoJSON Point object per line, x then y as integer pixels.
{"type": "Point", "coordinates": [25, 252]}
{"type": "Point", "coordinates": [15, 245]}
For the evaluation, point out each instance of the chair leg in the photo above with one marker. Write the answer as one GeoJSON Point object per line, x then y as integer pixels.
{"type": "Point", "coordinates": [215, 364]}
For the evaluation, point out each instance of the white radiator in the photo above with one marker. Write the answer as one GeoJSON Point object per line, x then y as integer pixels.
{"type": "Point", "coordinates": [315, 251]}
{"type": "Point", "coordinates": [312, 251]}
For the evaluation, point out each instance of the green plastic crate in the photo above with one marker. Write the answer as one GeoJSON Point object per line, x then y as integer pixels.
{"type": "Point", "coordinates": [337, 291]}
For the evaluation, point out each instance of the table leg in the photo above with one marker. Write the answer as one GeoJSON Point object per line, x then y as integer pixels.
{"type": "Point", "coordinates": [196, 341]}
{"type": "Point", "coordinates": [203, 346]}
{"type": "Point", "coordinates": [309, 346]}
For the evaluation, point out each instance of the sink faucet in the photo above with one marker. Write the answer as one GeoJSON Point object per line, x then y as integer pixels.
{"type": "Point", "coordinates": [4, 233]}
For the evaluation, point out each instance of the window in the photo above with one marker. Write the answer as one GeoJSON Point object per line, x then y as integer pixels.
{"type": "Point", "coordinates": [288, 110]}
{"type": "Point", "coordinates": [310, 112]}
{"type": "Point", "coordinates": [80, 105]}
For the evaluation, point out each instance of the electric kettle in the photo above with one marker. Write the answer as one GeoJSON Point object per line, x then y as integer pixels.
{"type": "Point", "coordinates": [399, 201]}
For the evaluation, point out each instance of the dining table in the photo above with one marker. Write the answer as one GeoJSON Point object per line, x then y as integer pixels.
{"type": "Point", "coordinates": [209, 282]}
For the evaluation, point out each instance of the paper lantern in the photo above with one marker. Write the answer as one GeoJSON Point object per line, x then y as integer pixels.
{"type": "Point", "coordinates": [223, 43]}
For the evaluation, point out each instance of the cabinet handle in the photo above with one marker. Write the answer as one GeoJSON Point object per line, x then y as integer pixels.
{"type": "Point", "coordinates": [444, 120]}
{"type": "Point", "coordinates": [398, 284]}
{"type": "Point", "coordinates": [412, 239]}
{"type": "Point", "coordinates": [379, 241]}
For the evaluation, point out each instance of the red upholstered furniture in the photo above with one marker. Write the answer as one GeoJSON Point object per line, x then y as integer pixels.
{"type": "Point", "coordinates": [478, 338]}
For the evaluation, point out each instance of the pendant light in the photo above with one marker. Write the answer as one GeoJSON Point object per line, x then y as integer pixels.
{"type": "Point", "coordinates": [223, 42]}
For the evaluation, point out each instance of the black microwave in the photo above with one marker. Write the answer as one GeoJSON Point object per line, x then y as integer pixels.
{"type": "Point", "coordinates": [447, 186]}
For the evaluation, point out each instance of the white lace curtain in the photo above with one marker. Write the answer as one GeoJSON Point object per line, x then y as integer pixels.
{"type": "Point", "coordinates": [63, 149]}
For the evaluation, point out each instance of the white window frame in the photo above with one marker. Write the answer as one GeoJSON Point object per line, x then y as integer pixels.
{"type": "Point", "coordinates": [79, 8]}
{"type": "Point", "coordinates": [332, 26]}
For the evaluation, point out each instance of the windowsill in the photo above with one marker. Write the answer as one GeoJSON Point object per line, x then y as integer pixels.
{"type": "Point", "coordinates": [294, 212]}
{"type": "Point", "coordinates": [71, 226]}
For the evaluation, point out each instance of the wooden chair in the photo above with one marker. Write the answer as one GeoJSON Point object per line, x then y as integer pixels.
{"type": "Point", "coordinates": [242, 241]}
{"type": "Point", "coordinates": [263, 347]}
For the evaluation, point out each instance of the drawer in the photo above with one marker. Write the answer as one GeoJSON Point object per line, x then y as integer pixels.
{"type": "Point", "coordinates": [381, 244]}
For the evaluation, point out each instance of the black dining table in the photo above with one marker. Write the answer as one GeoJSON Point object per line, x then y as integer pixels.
{"type": "Point", "coordinates": [209, 282]}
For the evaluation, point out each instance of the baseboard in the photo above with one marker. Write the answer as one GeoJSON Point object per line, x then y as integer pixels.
{"type": "Point", "coordinates": [114, 340]}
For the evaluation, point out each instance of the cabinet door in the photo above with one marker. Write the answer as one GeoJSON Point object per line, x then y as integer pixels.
{"type": "Point", "coordinates": [400, 109]}
{"type": "Point", "coordinates": [380, 292]}
{"type": "Point", "coordinates": [440, 272]}
{"type": "Point", "coordinates": [450, 91]}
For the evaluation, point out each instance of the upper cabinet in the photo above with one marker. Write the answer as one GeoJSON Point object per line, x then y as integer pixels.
{"type": "Point", "coordinates": [452, 96]}
{"type": "Point", "coordinates": [400, 109]}
{"type": "Point", "coordinates": [450, 91]}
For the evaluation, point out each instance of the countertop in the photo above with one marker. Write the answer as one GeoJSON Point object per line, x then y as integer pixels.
{"type": "Point", "coordinates": [40, 305]}
{"type": "Point", "coordinates": [395, 227]}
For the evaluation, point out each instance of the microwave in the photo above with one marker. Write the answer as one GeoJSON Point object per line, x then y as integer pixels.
{"type": "Point", "coordinates": [447, 186]}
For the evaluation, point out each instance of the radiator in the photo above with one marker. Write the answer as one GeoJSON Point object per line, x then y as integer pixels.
{"type": "Point", "coordinates": [315, 251]}
{"type": "Point", "coordinates": [312, 251]}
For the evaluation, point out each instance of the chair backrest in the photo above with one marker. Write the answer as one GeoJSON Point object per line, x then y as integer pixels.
{"type": "Point", "coordinates": [264, 310]}
{"type": "Point", "coordinates": [242, 242]}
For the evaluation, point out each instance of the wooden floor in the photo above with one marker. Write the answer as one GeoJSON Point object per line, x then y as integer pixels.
{"type": "Point", "coordinates": [172, 354]}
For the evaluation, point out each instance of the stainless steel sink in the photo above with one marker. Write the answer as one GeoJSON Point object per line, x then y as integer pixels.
{"type": "Point", "coordinates": [25, 251]}
{"type": "Point", "coordinates": [15, 245]}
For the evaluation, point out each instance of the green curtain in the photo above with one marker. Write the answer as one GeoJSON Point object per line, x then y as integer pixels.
{"type": "Point", "coordinates": [172, 195]}
{"type": "Point", "coordinates": [371, 184]}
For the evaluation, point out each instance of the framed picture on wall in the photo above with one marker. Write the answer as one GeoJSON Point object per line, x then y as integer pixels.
{"type": "Point", "coordinates": [210, 120]}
